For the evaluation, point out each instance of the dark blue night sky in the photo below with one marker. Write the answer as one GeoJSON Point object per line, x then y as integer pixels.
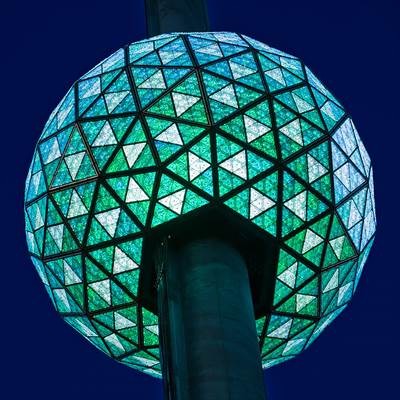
{"type": "Point", "coordinates": [352, 45]}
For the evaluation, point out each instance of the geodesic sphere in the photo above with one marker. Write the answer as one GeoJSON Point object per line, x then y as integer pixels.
{"type": "Point", "coordinates": [174, 123]}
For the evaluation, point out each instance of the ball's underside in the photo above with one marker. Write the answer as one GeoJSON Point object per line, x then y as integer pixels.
{"type": "Point", "coordinates": [171, 124]}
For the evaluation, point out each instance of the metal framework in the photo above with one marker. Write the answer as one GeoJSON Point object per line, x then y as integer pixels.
{"type": "Point", "coordinates": [168, 132]}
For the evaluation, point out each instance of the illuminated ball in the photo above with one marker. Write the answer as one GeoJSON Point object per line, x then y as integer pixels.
{"type": "Point", "coordinates": [172, 125]}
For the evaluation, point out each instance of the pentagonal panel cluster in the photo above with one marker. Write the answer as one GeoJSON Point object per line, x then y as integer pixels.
{"type": "Point", "coordinates": [168, 125]}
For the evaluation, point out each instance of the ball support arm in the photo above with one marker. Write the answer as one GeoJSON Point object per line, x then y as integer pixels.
{"type": "Point", "coordinates": [166, 16]}
{"type": "Point", "coordinates": [209, 344]}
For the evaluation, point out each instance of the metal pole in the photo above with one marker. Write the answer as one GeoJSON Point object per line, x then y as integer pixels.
{"type": "Point", "coordinates": [209, 343]}
{"type": "Point", "coordinates": [166, 16]}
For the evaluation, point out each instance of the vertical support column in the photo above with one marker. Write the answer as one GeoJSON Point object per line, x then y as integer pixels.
{"type": "Point", "coordinates": [209, 342]}
{"type": "Point", "coordinates": [166, 16]}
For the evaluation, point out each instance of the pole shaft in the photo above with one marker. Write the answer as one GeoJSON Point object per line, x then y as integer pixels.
{"type": "Point", "coordinates": [166, 16]}
{"type": "Point", "coordinates": [209, 342]}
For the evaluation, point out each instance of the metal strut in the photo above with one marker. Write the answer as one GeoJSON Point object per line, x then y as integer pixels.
{"type": "Point", "coordinates": [166, 16]}
{"type": "Point", "coordinates": [208, 338]}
